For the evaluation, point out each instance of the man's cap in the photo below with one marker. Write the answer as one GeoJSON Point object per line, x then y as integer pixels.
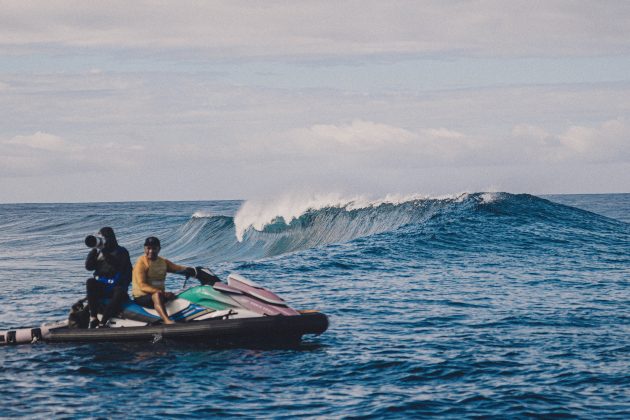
{"type": "Point", "coordinates": [152, 241]}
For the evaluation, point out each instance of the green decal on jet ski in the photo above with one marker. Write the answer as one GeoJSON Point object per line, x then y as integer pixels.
{"type": "Point", "coordinates": [207, 297]}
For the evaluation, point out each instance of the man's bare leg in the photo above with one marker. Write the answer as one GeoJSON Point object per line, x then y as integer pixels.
{"type": "Point", "coordinates": [159, 307]}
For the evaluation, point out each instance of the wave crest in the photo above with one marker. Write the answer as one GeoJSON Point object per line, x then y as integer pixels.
{"type": "Point", "coordinates": [257, 215]}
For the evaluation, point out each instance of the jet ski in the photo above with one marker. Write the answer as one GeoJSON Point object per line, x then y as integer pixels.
{"type": "Point", "coordinates": [239, 312]}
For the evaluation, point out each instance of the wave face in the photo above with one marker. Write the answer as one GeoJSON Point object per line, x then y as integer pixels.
{"type": "Point", "coordinates": [261, 230]}
{"type": "Point", "coordinates": [490, 305]}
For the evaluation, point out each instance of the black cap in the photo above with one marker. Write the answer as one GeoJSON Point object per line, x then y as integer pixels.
{"type": "Point", "coordinates": [152, 241]}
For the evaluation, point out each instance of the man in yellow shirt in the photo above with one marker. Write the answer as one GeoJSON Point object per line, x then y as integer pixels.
{"type": "Point", "coordinates": [149, 274]}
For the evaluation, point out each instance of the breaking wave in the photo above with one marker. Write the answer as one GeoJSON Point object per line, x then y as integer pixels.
{"type": "Point", "coordinates": [266, 229]}
{"type": "Point", "coordinates": [251, 230]}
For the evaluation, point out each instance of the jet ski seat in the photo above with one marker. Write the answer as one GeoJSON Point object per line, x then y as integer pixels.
{"type": "Point", "coordinates": [131, 310]}
{"type": "Point", "coordinates": [178, 309]}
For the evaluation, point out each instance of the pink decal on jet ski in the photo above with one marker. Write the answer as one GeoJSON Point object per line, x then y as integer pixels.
{"type": "Point", "coordinates": [256, 305]}
{"type": "Point", "coordinates": [222, 287]}
{"type": "Point", "coordinates": [261, 294]}
{"type": "Point", "coordinates": [247, 302]}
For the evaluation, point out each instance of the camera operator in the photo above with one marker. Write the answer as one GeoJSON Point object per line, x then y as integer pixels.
{"type": "Point", "coordinates": [112, 275]}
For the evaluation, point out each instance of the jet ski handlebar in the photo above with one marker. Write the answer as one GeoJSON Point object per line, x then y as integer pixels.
{"type": "Point", "coordinates": [203, 274]}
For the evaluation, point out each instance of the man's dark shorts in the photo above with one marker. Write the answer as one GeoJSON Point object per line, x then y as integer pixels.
{"type": "Point", "coordinates": [145, 301]}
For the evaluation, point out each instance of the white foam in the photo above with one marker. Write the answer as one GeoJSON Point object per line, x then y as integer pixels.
{"type": "Point", "coordinates": [200, 214]}
{"type": "Point", "coordinates": [257, 214]}
{"type": "Point", "coordinates": [489, 197]}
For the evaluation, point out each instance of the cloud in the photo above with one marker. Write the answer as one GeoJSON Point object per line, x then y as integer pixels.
{"type": "Point", "coordinates": [358, 135]}
{"type": "Point", "coordinates": [43, 153]}
{"type": "Point", "coordinates": [277, 28]}
{"type": "Point", "coordinates": [383, 144]}
{"type": "Point", "coordinates": [526, 144]}
{"type": "Point", "coordinates": [443, 133]}
{"type": "Point", "coordinates": [207, 135]}
{"type": "Point", "coordinates": [608, 142]}
{"type": "Point", "coordinates": [43, 141]}
{"type": "Point", "coordinates": [349, 145]}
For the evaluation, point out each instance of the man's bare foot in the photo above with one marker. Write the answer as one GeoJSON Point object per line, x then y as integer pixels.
{"type": "Point", "coordinates": [169, 322]}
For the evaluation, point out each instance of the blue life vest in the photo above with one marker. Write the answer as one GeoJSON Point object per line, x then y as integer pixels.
{"type": "Point", "coordinates": [109, 282]}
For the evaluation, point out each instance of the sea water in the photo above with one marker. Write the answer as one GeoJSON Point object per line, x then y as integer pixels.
{"type": "Point", "coordinates": [490, 304]}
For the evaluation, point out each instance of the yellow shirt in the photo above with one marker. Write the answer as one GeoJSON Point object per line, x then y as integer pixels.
{"type": "Point", "coordinates": [149, 275]}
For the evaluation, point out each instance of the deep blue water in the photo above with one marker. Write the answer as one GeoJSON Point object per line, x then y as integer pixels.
{"type": "Point", "coordinates": [489, 305]}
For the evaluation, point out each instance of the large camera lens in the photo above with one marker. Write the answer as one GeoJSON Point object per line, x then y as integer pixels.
{"type": "Point", "coordinates": [92, 241]}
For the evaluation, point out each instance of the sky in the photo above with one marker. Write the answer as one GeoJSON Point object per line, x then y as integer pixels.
{"type": "Point", "coordinates": [203, 100]}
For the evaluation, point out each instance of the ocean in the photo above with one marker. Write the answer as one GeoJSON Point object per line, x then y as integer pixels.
{"type": "Point", "coordinates": [489, 305]}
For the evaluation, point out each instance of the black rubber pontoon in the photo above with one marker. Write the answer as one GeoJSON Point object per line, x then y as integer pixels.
{"type": "Point", "coordinates": [268, 329]}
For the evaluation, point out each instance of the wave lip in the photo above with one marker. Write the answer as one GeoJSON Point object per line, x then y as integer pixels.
{"type": "Point", "coordinates": [201, 214]}
{"type": "Point", "coordinates": [264, 229]}
{"type": "Point", "coordinates": [259, 215]}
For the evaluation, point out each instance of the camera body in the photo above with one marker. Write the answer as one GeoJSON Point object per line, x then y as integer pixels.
{"type": "Point", "coordinates": [97, 242]}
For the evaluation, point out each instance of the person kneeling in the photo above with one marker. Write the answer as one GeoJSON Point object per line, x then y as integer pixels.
{"type": "Point", "coordinates": [149, 275]}
{"type": "Point", "coordinates": [112, 275]}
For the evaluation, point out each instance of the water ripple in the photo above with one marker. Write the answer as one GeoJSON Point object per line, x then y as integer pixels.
{"type": "Point", "coordinates": [513, 307]}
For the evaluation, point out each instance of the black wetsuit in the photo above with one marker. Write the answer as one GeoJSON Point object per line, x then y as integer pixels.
{"type": "Point", "coordinates": [108, 263]}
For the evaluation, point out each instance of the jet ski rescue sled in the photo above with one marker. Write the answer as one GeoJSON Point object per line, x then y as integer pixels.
{"type": "Point", "coordinates": [240, 312]}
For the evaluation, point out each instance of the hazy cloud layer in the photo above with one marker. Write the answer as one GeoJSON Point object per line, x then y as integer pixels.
{"type": "Point", "coordinates": [209, 99]}
{"type": "Point", "coordinates": [605, 143]}
{"type": "Point", "coordinates": [47, 154]}
{"type": "Point", "coordinates": [246, 28]}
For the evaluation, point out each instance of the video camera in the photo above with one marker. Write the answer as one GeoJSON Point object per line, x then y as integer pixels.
{"type": "Point", "coordinates": [97, 242]}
